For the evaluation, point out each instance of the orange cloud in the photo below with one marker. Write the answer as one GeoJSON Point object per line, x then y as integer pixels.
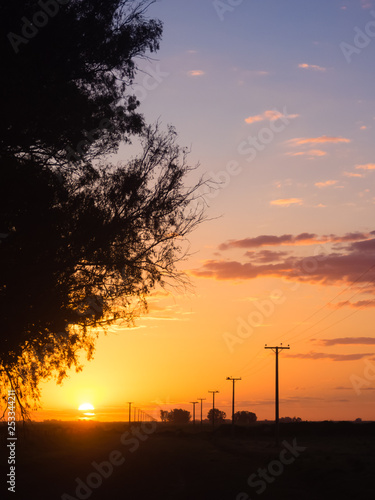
{"type": "Point", "coordinates": [311, 152]}
{"type": "Point", "coordinates": [271, 115]}
{"type": "Point", "coordinates": [367, 166]}
{"type": "Point", "coordinates": [325, 184]}
{"type": "Point", "coordinates": [312, 67]}
{"type": "Point", "coordinates": [299, 141]}
{"type": "Point", "coordinates": [196, 72]}
{"type": "Point", "coordinates": [286, 202]}
{"type": "Point", "coordinates": [352, 174]}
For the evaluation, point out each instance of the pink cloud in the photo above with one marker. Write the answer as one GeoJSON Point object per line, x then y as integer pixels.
{"type": "Point", "coordinates": [289, 239]}
{"type": "Point", "coordinates": [265, 256]}
{"type": "Point", "coordinates": [367, 166]}
{"type": "Point", "coordinates": [351, 263]}
{"type": "Point", "coordinates": [325, 184]}
{"type": "Point", "coordinates": [313, 67]}
{"type": "Point", "coordinates": [271, 115]}
{"type": "Point", "coordinates": [366, 4]}
{"type": "Point", "coordinates": [352, 174]}
{"type": "Point", "coordinates": [195, 72]}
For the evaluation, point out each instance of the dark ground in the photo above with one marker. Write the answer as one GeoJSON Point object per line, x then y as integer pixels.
{"type": "Point", "coordinates": [176, 463]}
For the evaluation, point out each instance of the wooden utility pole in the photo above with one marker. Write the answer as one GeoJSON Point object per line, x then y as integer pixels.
{"type": "Point", "coordinates": [213, 408]}
{"type": "Point", "coordinates": [276, 350]}
{"type": "Point", "coordinates": [130, 411]}
{"type": "Point", "coordinates": [233, 380]}
{"type": "Point", "coordinates": [201, 399]}
{"type": "Point", "coordinates": [194, 403]}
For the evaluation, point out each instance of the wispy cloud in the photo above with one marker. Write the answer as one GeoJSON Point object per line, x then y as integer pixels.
{"type": "Point", "coordinates": [324, 139]}
{"type": "Point", "coordinates": [367, 166]}
{"type": "Point", "coordinates": [360, 304]}
{"type": "Point", "coordinates": [270, 115]}
{"type": "Point", "coordinates": [346, 341]}
{"type": "Point", "coordinates": [366, 4]}
{"type": "Point", "coordinates": [310, 152]}
{"type": "Point", "coordinates": [313, 67]}
{"type": "Point", "coordinates": [325, 183]}
{"type": "Point", "coordinates": [286, 202]}
{"type": "Point", "coordinates": [289, 239]}
{"type": "Point", "coordinates": [196, 72]}
{"type": "Point", "coordinates": [332, 357]}
{"type": "Point", "coordinates": [352, 174]}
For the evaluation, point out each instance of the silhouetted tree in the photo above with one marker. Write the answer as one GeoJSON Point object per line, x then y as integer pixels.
{"type": "Point", "coordinates": [244, 417]}
{"type": "Point", "coordinates": [164, 415]}
{"type": "Point", "coordinates": [179, 416]}
{"type": "Point", "coordinates": [65, 85]}
{"type": "Point", "coordinates": [219, 416]}
{"type": "Point", "coordinates": [289, 419]}
{"type": "Point", "coordinates": [82, 242]}
{"type": "Point", "coordinates": [81, 252]}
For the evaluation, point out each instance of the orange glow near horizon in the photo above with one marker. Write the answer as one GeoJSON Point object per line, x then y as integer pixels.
{"type": "Point", "coordinates": [180, 351]}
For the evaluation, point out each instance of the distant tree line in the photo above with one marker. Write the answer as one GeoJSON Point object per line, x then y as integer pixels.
{"type": "Point", "coordinates": [180, 416]}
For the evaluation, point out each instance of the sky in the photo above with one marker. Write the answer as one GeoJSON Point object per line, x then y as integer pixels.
{"type": "Point", "coordinates": [275, 101]}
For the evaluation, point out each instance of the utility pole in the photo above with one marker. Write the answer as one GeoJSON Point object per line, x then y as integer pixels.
{"type": "Point", "coordinates": [194, 403]}
{"type": "Point", "coordinates": [201, 399]}
{"type": "Point", "coordinates": [276, 350]}
{"type": "Point", "coordinates": [233, 379]}
{"type": "Point", "coordinates": [213, 408]}
{"type": "Point", "coordinates": [130, 411]}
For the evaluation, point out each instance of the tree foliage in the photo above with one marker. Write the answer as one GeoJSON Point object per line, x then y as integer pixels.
{"type": "Point", "coordinates": [164, 415]}
{"type": "Point", "coordinates": [71, 74]}
{"type": "Point", "coordinates": [82, 241]}
{"type": "Point", "coordinates": [245, 417]}
{"type": "Point", "coordinates": [287, 420]}
{"type": "Point", "coordinates": [217, 414]}
{"type": "Point", "coordinates": [179, 416]}
{"type": "Point", "coordinates": [81, 253]}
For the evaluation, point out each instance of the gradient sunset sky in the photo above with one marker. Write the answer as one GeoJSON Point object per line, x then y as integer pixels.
{"type": "Point", "coordinates": [276, 101]}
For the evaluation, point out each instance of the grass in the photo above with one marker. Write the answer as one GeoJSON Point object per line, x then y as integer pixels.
{"type": "Point", "coordinates": [173, 462]}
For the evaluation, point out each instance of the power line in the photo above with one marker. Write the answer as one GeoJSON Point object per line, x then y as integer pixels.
{"type": "Point", "coordinates": [248, 364]}
{"type": "Point", "coordinates": [330, 302]}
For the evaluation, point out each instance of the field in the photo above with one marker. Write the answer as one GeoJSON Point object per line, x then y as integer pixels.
{"type": "Point", "coordinates": [81, 460]}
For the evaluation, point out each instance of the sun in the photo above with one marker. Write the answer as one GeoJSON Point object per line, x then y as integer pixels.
{"type": "Point", "coordinates": [86, 406]}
